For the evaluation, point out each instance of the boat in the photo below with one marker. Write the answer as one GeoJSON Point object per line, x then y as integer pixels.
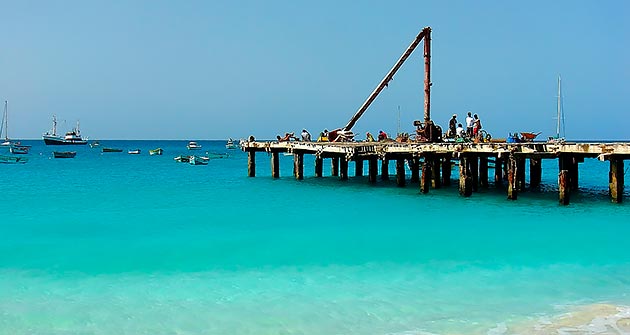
{"type": "Point", "coordinates": [182, 159]}
{"type": "Point", "coordinates": [134, 152]}
{"type": "Point", "coordinates": [95, 144]}
{"type": "Point", "coordinates": [157, 151]}
{"type": "Point", "coordinates": [64, 154]}
{"type": "Point", "coordinates": [198, 160]}
{"type": "Point", "coordinates": [230, 144]}
{"type": "Point", "coordinates": [70, 138]}
{"type": "Point", "coordinates": [12, 159]}
{"type": "Point", "coordinates": [560, 118]}
{"type": "Point", "coordinates": [19, 149]}
{"type": "Point", "coordinates": [211, 155]}
{"type": "Point", "coordinates": [192, 145]}
{"type": "Point", "coordinates": [16, 148]}
{"type": "Point", "coordinates": [111, 150]}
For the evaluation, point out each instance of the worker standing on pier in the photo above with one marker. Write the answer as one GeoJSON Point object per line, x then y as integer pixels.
{"type": "Point", "coordinates": [452, 126]}
{"type": "Point", "coordinates": [476, 125]}
{"type": "Point", "coordinates": [469, 124]}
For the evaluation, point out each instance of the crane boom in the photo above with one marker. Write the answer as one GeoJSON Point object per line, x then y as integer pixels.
{"type": "Point", "coordinates": [424, 34]}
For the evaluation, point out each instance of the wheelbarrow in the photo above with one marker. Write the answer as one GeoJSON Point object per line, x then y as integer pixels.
{"type": "Point", "coordinates": [528, 137]}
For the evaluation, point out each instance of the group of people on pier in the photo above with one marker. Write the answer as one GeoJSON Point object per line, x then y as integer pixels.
{"type": "Point", "coordinates": [472, 131]}
{"type": "Point", "coordinates": [425, 133]}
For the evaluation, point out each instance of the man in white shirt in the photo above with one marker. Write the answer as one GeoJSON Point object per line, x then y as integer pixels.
{"type": "Point", "coordinates": [469, 124]}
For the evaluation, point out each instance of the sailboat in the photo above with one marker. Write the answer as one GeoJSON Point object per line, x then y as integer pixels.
{"type": "Point", "coordinates": [560, 118]}
{"type": "Point", "coordinates": [14, 147]}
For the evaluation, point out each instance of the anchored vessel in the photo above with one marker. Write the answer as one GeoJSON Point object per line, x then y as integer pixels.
{"type": "Point", "coordinates": [70, 138]}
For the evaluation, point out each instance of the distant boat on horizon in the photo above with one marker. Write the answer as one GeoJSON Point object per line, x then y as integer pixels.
{"type": "Point", "coordinates": [192, 145]}
{"type": "Point", "coordinates": [230, 144]}
{"type": "Point", "coordinates": [72, 137]}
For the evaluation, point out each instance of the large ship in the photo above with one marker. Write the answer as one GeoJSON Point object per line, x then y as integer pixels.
{"type": "Point", "coordinates": [70, 138]}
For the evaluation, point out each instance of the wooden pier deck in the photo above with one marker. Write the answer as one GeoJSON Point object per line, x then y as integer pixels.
{"type": "Point", "coordinates": [430, 163]}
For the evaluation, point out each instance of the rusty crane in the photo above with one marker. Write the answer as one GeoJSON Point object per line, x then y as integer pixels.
{"type": "Point", "coordinates": [427, 127]}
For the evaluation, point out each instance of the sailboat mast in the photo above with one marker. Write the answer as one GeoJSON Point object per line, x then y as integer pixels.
{"type": "Point", "coordinates": [4, 119]}
{"type": "Point", "coordinates": [559, 106]}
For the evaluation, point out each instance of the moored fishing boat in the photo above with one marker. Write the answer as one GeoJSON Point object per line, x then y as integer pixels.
{"type": "Point", "coordinates": [70, 138]}
{"type": "Point", "coordinates": [12, 159]}
{"type": "Point", "coordinates": [19, 149]}
{"type": "Point", "coordinates": [111, 150]}
{"type": "Point", "coordinates": [157, 151]}
{"type": "Point", "coordinates": [182, 159]}
{"type": "Point", "coordinates": [64, 154]}
{"type": "Point", "coordinates": [134, 152]}
{"type": "Point", "coordinates": [198, 160]}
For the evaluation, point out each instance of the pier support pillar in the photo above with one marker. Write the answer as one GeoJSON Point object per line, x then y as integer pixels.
{"type": "Point", "coordinates": [436, 179]}
{"type": "Point", "coordinates": [564, 187]}
{"type": "Point", "coordinates": [275, 165]}
{"type": "Point", "coordinates": [400, 172]}
{"type": "Point", "coordinates": [335, 166]}
{"type": "Point", "coordinates": [520, 173]}
{"type": "Point", "coordinates": [319, 167]}
{"type": "Point", "coordinates": [343, 169]}
{"type": "Point", "coordinates": [385, 169]}
{"type": "Point", "coordinates": [251, 163]}
{"type": "Point", "coordinates": [473, 163]}
{"type": "Point", "coordinates": [425, 180]}
{"type": "Point", "coordinates": [372, 169]}
{"type": "Point", "coordinates": [446, 170]}
{"type": "Point", "coordinates": [512, 188]}
{"type": "Point", "coordinates": [483, 171]}
{"type": "Point", "coordinates": [358, 168]}
{"type": "Point", "coordinates": [498, 172]}
{"type": "Point", "coordinates": [535, 172]}
{"type": "Point", "coordinates": [414, 164]}
{"type": "Point", "coordinates": [465, 178]}
{"type": "Point", "coordinates": [616, 180]}
{"type": "Point", "coordinates": [298, 167]}
{"type": "Point", "coordinates": [564, 179]}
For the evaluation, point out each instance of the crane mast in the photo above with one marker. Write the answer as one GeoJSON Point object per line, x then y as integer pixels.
{"type": "Point", "coordinates": [424, 34]}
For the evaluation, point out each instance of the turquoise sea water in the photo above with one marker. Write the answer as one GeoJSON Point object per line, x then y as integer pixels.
{"type": "Point", "coordinates": [111, 243]}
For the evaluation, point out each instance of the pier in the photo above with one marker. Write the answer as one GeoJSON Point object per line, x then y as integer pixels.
{"type": "Point", "coordinates": [430, 163]}
{"type": "Point", "coordinates": [430, 157]}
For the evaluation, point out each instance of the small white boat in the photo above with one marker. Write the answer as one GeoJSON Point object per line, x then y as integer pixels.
{"type": "Point", "coordinates": [15, 148]}
{"type": "Point", "coordinates": [230, 144]}
{"type": "Point", "coordinates": [192, 145]}
{"type": "Point", "coordinates": [134, 152]}
{"type": "Point", "coordinates": [198, 160]}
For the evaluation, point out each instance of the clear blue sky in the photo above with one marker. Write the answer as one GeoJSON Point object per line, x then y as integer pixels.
{"type": "Point", "coordinates": [218, 69]}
